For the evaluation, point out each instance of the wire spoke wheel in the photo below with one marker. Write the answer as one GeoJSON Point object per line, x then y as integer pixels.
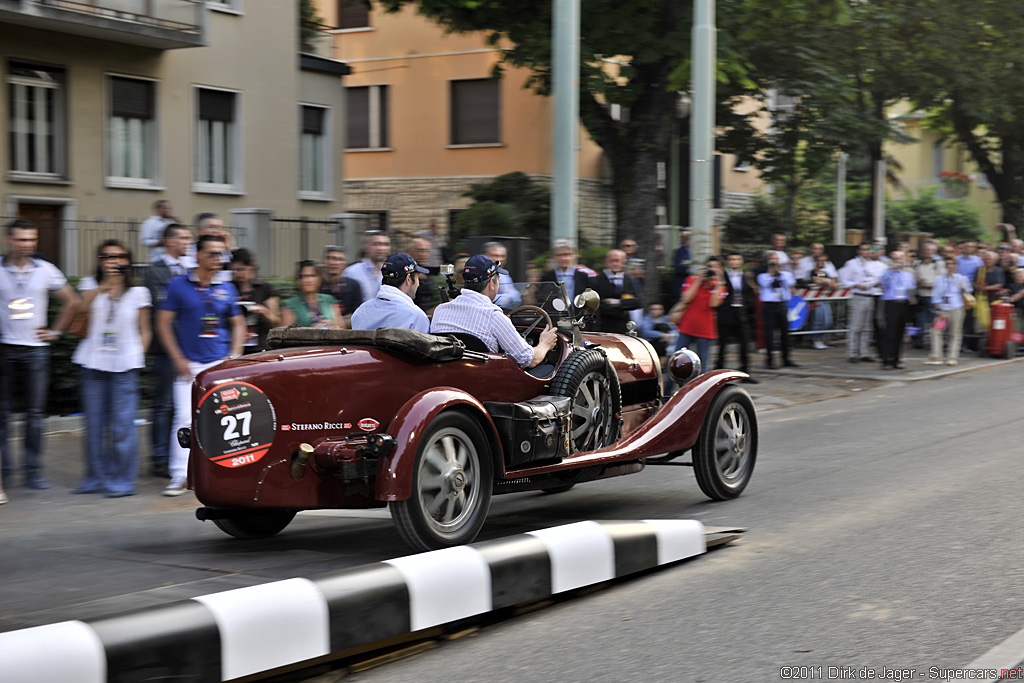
{"type": "Point", "coordinates": [451, 486]}
{"type": "Point", "coordinates": [588, 380]}
{"type": "Point", "coordinates": [726, 450]}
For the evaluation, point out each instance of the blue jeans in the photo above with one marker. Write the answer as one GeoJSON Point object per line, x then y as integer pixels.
{"type": "Point", "coordinates": [701, 345]}
{"type": "Point", "coordinates": [163, 407]}
{"type": "Point", "coordinates": [821, 319]}
{"type": "Point", "coordinates": [110, 401]}
{"type": "Point", "coordinates": [28, 369]}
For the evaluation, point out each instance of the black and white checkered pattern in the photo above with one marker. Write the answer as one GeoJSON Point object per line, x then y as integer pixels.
{"type": "Point", "coordinates": [241, 632]}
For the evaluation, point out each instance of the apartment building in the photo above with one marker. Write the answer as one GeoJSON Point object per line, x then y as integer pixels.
{"type": "Point", "coordinates": [110, 105]}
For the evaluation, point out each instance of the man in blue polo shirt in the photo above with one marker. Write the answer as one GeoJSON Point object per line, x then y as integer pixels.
{"type": "Point", "coordinates": [200, 325]}
{"type": "Point", "coordinates": [393, 306]}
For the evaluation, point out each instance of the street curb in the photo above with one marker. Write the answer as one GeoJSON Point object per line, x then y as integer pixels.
{"type": "Point", "coordinates": [246, 631]}
{"type": "Point", "coordinates": [887, 377]}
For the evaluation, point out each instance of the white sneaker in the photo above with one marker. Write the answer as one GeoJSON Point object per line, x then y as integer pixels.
{"type": "Point", "coordinates": [820, 345]}
{"type": "Point", "coordinates": [933, 361]}
{"type": "Point", "coordinates": [3, 497]}
{"type": "Point", "coordinates": [175, 488]}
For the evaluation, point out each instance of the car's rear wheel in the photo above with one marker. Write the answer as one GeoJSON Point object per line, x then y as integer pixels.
{"type": "Point", "coordinates": [451, 485]}
{"type": "Point", "coordinates": [589, 380]}
{"type": "Point", "coordinates": [258, 524]}
{"type": "Point", "coordinates": [726, 449]}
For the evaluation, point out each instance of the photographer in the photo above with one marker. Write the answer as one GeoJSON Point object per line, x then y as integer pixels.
{"type": "Point", "coordinates": [775, 287]}
{"type": "Point", "coordinates": [111, 355]}
{"type": "Point", "coordinates": [701, 295]}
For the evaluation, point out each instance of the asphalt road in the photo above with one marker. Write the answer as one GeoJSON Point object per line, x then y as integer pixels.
{"type": "Point", "coordinates": [884, 531]}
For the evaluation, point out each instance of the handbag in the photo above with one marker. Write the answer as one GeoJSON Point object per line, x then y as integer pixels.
{"type": "Point", "coordinates": [80, 324]}
{"type": "Point", "coordinates": [969, 300]}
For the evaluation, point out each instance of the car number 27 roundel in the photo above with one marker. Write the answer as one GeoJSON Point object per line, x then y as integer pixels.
{"type": "Point", "coordinates": [235, 424]}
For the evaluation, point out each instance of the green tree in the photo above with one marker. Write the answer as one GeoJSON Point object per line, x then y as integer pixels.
{"type": "Point", "coordinates": [968, 56]}
{"type": "Point", "coordinates": [510, 204]}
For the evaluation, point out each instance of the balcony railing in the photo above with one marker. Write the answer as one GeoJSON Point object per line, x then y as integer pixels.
{"type": "Point", "coordinates": [174, 15]}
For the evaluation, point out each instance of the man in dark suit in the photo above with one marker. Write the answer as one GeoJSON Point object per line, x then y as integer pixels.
{"type": "Point", "coordinates": [618, 291]}
{"type": "Point", "coordinates": [733, 317]}
{"type": "Point", "coordinates": [576, 277]}
{"type": "Point", "coordinates": [165, 266]}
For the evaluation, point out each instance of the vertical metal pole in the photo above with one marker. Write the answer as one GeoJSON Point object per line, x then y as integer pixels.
{"type": "Point", "coordinates": [565, 76]}
{"type": "Point", "coordinates": [839, 215]}
{"type": "Point", "coordinates": [702, 123]}
{"type": "Point", "coordinates": [673, 181]}
{"type": "Point", "coordinates": [879, 231]}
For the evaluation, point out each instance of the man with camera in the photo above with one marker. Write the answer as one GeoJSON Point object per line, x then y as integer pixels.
{"type": "Point", "coordinates": [775, 287]}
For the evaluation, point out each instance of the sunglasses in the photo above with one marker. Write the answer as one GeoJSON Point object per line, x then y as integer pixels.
{"type": "Point", "coordinates": [104, 257]}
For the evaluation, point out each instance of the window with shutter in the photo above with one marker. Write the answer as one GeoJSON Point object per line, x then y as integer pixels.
{"type": "Point", "coordinates": [353, 14]}
{"type": "Point", "coordinates": [131, 138]}
{"type": "Point", "coordinates": [37, 137]}
{"type": "Point", "coordinates": [216, 154]}
{"type": "Point", "coordinates": [475, 112]}
{"type": "Point", "coordinates": [367, 119]}
{"type": "Point", "coordinates": [314, 152]}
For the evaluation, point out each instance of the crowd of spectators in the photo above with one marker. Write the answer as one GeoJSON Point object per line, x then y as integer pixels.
{"type": "Point", "coordinates": [202, 301]}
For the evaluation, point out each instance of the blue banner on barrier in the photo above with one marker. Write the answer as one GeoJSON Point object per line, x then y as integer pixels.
{"type": "Point", "coordinates": [796, 313]}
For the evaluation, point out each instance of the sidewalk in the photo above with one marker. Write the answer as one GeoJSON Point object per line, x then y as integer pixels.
{"type": "Point", "coordinates": [832, 362]}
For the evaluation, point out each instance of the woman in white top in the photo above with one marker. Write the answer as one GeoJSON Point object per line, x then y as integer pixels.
{"type": "Point", "coordinates": [111, 355]}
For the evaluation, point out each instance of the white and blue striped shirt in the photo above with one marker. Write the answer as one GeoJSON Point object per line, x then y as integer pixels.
{"type": "Point", "coordinates": [473, 313]}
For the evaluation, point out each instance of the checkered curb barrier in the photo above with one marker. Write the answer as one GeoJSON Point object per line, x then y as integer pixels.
{"type": "Point", "coordinates": [241, 632]}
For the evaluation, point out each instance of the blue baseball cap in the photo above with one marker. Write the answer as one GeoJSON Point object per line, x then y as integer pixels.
{"type": "Point", "coordinates": [401, 264]}
{"type": "Point", "coordinates": [480, 268]}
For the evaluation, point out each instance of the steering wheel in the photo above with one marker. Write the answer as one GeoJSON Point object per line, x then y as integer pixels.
{"type": "Point", "coordinates": [542, 316]}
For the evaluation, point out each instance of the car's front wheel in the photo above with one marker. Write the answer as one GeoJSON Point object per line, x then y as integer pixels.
{"type": "Point", "coordinates": [725, 452]}
{"type": "Point", "coordinates": [451, 485]}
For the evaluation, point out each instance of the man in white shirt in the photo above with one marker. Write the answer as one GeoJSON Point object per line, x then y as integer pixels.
{"type": "Point", "coordinates": [376, 247]}
{"type": "Point", "coordinates": [779, 247]}
{"type": "Point", "coordinates": [863, 275]}
{"type": "Point", "coordinates": [803, 269]}
{"type": "Point", "coordinates": [393, 306]}
{"type": "Point", "coordinates": [151, 232]}
{"type": "Point", "coordinates": [25, 284]}
{"type": "Point", "coordinates": [473, 312]}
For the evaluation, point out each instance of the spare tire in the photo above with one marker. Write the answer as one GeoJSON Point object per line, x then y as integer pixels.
{"type": "Point", "coordinates": [590, 381]}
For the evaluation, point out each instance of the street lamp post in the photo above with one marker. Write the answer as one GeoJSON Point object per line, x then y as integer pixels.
{"type": "Point", "coordinates": [702, 123]}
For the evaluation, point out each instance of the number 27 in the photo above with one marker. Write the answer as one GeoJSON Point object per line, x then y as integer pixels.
{"type": "Point", "coordinates": [231, 421]}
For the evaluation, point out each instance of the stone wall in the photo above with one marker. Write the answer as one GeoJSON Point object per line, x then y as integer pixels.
{"type": "Point", "coordinates": [412, 202]}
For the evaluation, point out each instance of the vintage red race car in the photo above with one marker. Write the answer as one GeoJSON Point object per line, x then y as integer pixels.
{"type": "Point", "coordinates": [432, 428]}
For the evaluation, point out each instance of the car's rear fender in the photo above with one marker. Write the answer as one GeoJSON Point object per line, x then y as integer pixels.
{"type": "Point", "coordinates": [394, 472]}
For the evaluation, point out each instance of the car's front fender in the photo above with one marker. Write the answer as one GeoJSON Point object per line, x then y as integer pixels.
{"type": "Point", "coordinates": [394, 471]}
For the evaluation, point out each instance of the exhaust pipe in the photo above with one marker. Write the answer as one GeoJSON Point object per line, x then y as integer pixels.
{"type": "Point", "coordinates": [300, 460]}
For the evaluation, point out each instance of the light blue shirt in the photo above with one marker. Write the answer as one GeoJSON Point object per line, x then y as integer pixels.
{"type": "Point", "coordinates": [947, 292]}
{"type": "Point", "coordinates": [568, 278]}
{"type": "Point", "coordinates": [770, 293]}
{"type": "Point", "coordinates": [968, 265]}
{"type": "Point", "coordinates": [473, 313]}
{"type": "Point", "coordinates": [897, 285]}
{"type": "Point", "coordinates": [367, 274]}
{"type": "Point", "coordinates": [508, 296]}
{"type": "Point", "coordinates": [391, 308]}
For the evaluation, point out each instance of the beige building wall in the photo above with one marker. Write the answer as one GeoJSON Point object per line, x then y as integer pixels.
{"type": "Point", "coordinates": [253, 52]}
{"type": "Point", "coordinates": [420, 176]}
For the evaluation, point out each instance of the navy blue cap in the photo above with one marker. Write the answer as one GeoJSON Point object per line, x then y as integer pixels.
{"type": "Point", "coordinates": [480, 268]}
{"type": "Point", "coordinates": [401, 264]}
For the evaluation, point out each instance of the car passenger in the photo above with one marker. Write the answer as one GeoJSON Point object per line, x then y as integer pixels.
{"type": "Point", "coordinates": [393, 305]}
{"type": "Point", "coordinates": [474, 312]}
